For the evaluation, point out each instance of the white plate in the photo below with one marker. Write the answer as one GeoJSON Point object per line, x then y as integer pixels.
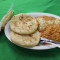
{"type": "Point", "coordinates": [40, 47]}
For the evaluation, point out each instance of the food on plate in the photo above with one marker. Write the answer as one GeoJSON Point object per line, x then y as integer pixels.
{"type": "Point", "coordinates": [23, 24]}
{"type": "Point", "coordinates": [25, 40]}
{"type": "Point", "coordinates": [46, 21]}
{"type": "Point", "coordinates": [52, 33]}
{"type": "Point", "coordinates": [6, 19]}
{"type": "Point", "coordinates": [25, 29]}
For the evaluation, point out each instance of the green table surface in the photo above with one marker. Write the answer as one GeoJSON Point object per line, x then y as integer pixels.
{"type": "Point", "coordinates": [9, 51]}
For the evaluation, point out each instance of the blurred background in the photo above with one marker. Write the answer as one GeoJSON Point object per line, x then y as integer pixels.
{"type": "Point", "coordinates": [25, 6]}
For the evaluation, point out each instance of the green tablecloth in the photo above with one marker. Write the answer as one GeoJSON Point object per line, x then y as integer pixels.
{"type": "Point", "coordinates": [9, 51]}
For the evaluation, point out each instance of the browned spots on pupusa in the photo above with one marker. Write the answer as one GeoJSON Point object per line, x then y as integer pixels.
{"type": "Point", "coordinates": [15, 23]}
{"type": "Point", "coordinates": [30, 26]}
{"type": "Point", "coordinates": [49, 18]}
{"type": "Point", "coordinates": [25, 18]}
{"type": "Point", "coordinates": [46, 18]}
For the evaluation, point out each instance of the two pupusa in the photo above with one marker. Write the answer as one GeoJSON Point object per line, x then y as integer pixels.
{"type": "Point", "coordinates": [24, 30]}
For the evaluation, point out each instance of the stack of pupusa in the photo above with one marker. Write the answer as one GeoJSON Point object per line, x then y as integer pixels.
{"type": "Point", "coordinates": [24, 30]}
{"type": "Point", "coordinates": [50, 27]}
